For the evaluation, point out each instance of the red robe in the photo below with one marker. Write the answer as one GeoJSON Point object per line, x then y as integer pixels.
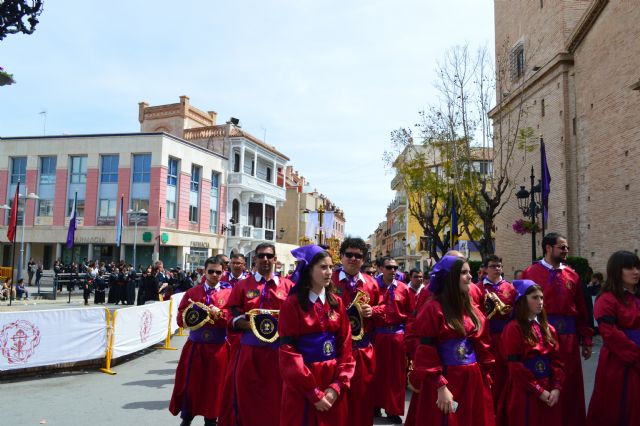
{"type": "Point", "coordinates": [258, 385]}
{"type": "Point", "coordinates": [563, 296]}
{"type": "Point", "coordinates": [202, 366]}
{"type": "Point", "coordinates": [507, 293]}
{"type": "Point", "coordinates": [520, 404]}
{"type": "Point", "coordinates": [305, 382]}
{"type": "Point", "coordinates": [361, 394]}
{"type": "Point", "coordinates": [468, 383]}
{"type": "Point", "coordinates": [227, 417]}
{"type": "Point", "coordinates": [412, 340]}
{"type": "Point", "coordinates": [616, 392]}
{"type": "Point", "coordinates": [390, 381]}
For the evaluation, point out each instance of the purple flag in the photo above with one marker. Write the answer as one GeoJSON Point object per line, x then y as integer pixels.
{"type": "Point", "coordinates": [72, 225]}
{"type": "Point", "coordinates": [546, 180]}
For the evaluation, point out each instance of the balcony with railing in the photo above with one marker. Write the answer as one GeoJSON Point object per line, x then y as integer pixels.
{"type": "Point", "coordinates": [246, 182]}
{"type": "Point", "coordinates": [398, 228]}
{"type": "Point", "coordinates": [248, 232]}
{"type": "Point", "coordinates": [398, 202]}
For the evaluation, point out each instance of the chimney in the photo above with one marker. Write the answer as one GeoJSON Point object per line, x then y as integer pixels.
{"type": "Point", "coordinates": [141, 107]}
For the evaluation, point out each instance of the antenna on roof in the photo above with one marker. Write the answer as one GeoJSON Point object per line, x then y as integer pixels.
{"type": "Point", "coordinates": [43, 113]}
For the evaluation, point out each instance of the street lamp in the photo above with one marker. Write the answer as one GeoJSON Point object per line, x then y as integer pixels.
{"type": "Point", "coordinates": [30, 196]}
{"type": "Point", "coordinates": [136, 217]}
{"type": "Point", "coordinates": [529, 202]}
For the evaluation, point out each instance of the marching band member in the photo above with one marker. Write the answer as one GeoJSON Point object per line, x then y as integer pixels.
{"type": "Point", "coordinates": [390, 381]}
{"type": "Point", "coordinates": [452, 362]}
{"type": "Point", "coordinates": [204, 357]}
{"type": "Point", "coordinates": [535, 376]}
{"type": "Point", "coordinates": [315, 353]}
{"type": "Point", "coordinates": [353, 286]}
{"type": "Point", "coordinates": [567, 313]}
{"type": "Point", "coordinates": [616, 390]}
{"type": "Point", "coordinates": [254, 303]}
{"type": "Point", "coordinates": [498, 296]}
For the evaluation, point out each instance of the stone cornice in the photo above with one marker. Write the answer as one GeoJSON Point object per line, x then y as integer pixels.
{"type": "Point", "coordinates": [585, 24]}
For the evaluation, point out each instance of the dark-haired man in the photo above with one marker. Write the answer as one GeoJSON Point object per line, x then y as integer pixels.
{"type": "Point", "coordinates": [390, 381]}
{"type": "Point", "coordinates": [566, 311]}
{"type": "Point", "coordinates": [493, 283]}
{"type": "Point", "coordinates": [203, 362]}
{"type": "Point", "coordinates": [348, 281]}
{"type": "Point", "coordinates": [258, 385]}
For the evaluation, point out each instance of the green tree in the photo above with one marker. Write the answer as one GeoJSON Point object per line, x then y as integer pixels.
{"type": "Point", "coordinates": [19, 16]}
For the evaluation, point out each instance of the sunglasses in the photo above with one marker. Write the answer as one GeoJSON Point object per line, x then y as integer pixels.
{"type": "Point", "coordinates": [369, 272]}
{"type": "Point", "coordinates": [563, 248]}
{"type": "Point", "coordinates": [213, 271]}
{"type": "Point", "coordinates": [391, 267]}
{"type": "Point", "coordinates": [350, 255]}
{"type": "Point", "coordinates": [265, 255]}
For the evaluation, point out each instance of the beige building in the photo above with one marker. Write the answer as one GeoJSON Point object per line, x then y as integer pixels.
{"type": "Point", "coordinates": [293, 216]}
{"type": "Point", "coordinates": [574, 68]}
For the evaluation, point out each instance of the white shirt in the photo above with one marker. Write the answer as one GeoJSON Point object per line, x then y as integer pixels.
{"type": "Point", "coordinates": [343, 276]}
{"type": "Point", "coordinates": [550, 267]}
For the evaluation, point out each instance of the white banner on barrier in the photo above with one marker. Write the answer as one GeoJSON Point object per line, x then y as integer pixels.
{"type": "Point", "coordinates": [38, 338]}
{"type": "Point", "coordinates": [139, 327]}
{"type": "Point", "coordinates": [177, 298]}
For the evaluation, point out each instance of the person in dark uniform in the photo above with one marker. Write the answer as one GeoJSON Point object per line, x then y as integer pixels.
{"type": "Point", "coordinates": [99, 287]}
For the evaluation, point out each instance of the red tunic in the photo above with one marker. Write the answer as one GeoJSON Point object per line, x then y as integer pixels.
{"type": "Point", "coordinates": [520, 404]}
{"type": "Point", "coordinates": [563, 297]}
{"type": "Point", "coordinates": [361, 394]}
{"type": "Point", "coordinates": [258, 385]}
{"type": "Point", "coordinates": [305, 382]}
{"type": "Point", "coordinates": [390, 381]}
{"type": "Point", "coordinates": [202, 366]}
{"type": "Point", "coordinates": [507, 294]}
{"type": "Point", "coordinates": [616, 390]}
{"type": "Point", "coordinates": [468, 383]}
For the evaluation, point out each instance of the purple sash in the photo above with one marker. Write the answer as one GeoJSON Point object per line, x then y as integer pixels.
{"type": "Point", "coordinates": [497, 325]}
{"type": "Point", "coordinates": [456, 352]}
{"type": "Point", "coordinates": [563, 324]}
{"type": "Point", "coordinates": [317, 347]}
{"type": "Point", "coordinates": [391, 329]}
{"type": "Point", "coordinates": [540, 366]}
{"type": "Point", "coordinates": [248, 338]}
{"type": "Point", "coordinates": [208, 335]}
{"type": "Point", "coordinates": [362, 343]}
{"type": "Point", "coordinates": [633, 334]}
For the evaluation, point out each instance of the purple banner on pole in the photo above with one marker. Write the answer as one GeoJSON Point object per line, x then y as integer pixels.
{"type": "Point", "coordinates": [546, 181]}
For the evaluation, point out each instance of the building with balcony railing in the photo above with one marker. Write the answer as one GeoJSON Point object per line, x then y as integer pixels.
{"type": "Point", "coordinates": [254, 187]}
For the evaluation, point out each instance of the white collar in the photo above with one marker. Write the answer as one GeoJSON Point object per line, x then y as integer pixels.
{"type": "Point", "coordinates": [343, 276]}
{"type": "Point", "coordinates": [314, 297]}
{"type": "Point", "coordinates": [550, 267]}
{"type": "Point", "coordinates": [274, 277]}
{"type": "Point", "coordinates": [419, 288]}
{"type": "Point", "coordinates": [488, 281]}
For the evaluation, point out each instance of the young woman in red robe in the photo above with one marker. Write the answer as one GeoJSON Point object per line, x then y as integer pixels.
{"type": "Point", "coordinates": [452, 362]}
{"type": "Point", "coordinates": [535, 375]}
{"type": "Point", "coordinates": [616, 393]}
{"type": "Point", "coordinates": [315, 353]}
{"type": "Point", "coordinates": [205, 355]}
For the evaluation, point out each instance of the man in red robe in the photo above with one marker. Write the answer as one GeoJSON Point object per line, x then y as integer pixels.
{"type": "Point", "coordinates": [348, 281]}
{"type": "Point", "coordinates": [390, 381]}
{"type": "Point", "coordinates": [567, 312]}
{"type": "Point", "coordinates": [494, 283]}
{"type": "Point", "coordinates": [258, 385]}
{"type": "Point", "coordinates": [204, 358]}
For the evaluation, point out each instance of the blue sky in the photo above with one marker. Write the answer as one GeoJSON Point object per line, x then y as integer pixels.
{"type": "Point", "coordinates": [326, 80]}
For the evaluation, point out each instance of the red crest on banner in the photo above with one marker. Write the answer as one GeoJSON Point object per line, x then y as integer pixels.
{"type": "Point", "coordinates": [18, 341]}
{"type": "Point", "coordinates": [145, 325]}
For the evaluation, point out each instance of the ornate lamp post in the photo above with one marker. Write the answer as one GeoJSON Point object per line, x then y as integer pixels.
{"type": "Point", "coordinates": [530, 204]}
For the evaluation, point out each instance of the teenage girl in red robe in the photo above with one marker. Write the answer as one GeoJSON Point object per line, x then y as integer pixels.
{"type": "Point", "coordinates": [616, 392]}
{"type": "Point", "coordinates": [315, 356]}
{"type": "Point", "coordinates": [535, 375]}
{"type": "Point", "coordinates": [205, 355]}
{"type": "Point", "coordinates": [452, 362]}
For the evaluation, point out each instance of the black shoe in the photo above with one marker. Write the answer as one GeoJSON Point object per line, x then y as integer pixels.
{"type": "Point", "coordinates": [377, 412]}
{"type": "Point", "coordinates": [396, 420]}
{"type": "Point", "coordinates": [210, 422]}
{"type": "Point", "coordinates": [185, 422]}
